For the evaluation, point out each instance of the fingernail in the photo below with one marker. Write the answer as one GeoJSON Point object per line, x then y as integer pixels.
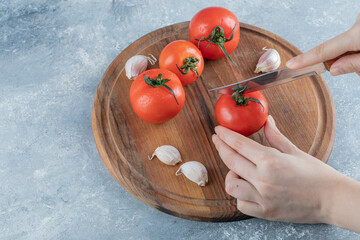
{"type": "Point", "coordinates": [214, 138]}
{"type": "Point", "coordinates": [273, 125]}
{"type": "Point", "coordinates": [336, 71]}
{"type": "Point", "coordinates": [216, 129]}
{"type": "Point", "coordinates": [271, 120]}
{"type": "Point", "coordinates": [291, 63]}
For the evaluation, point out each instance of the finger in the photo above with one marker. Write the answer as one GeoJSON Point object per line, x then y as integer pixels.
{"type": "Point", "coordinates": [358, 73]}
{"type": "Point", "coordinates": [347, 64]}
{"type": "Point", "coordinates": [325, 51]}
{"type": "Point", "coordinates": [240, 188]}
{"type": "Point", "coordinates": [249, 208]}
{"type": "Point", "coordinates": [248, 148]}
{"type": "Point", "coordinates": [276, 139]}
{"type": "Point", "coordinates": [233, 160]}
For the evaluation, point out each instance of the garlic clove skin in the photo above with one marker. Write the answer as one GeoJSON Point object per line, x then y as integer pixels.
{"type": "Point", "coordinates": [138, 64]}
{"type": "Point", "coordinates": [135, 66]}
{"type": "Point", "coordinates": [194, 171]}
{"type": "Point", "coordinates": [167, 154]}
{"type": "Point", "coordinates": [269, 61]}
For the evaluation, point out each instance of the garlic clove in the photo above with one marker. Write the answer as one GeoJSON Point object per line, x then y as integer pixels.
{"type": "Point", "coordinates": [167, 154]}
{"type": "Point", "coordinates": [194, 171]}
{"type": "Point", "coordinates": [269, 61]}
{"type": "Point", "coordinates": [138, 64]}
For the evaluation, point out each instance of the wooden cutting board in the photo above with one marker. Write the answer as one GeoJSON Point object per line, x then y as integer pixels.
{"type": "Point", "coordinates": [303, 110]}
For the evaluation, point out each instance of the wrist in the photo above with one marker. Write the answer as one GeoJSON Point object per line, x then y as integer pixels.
{"type": "Point", "coordinates": [333, 191]}
{"type": "Point", "coordinates": [340, 202]}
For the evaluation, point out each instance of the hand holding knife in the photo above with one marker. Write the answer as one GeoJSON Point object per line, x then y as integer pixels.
{"type": "Point", "coordinates": [280, 76]}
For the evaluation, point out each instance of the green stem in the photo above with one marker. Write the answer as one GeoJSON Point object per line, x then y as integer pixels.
{"type": "Point", "coordinates": [189, 64]}
{"type": "Point", "coordinates": [238, 96]}
{"type": "Point", "coordinates": [159, 82]}
{"type": "Point", "coordinates": [217, 36]}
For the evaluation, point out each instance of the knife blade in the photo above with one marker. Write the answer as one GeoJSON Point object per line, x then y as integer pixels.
{"type": "Point", "coordinates": [272, 79]}
{"type": "Point", "coordinates": [280, 76]}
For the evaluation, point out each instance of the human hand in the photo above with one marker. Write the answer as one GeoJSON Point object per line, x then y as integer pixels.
{"type": "Point", "coordinates": [279, 183]}
{"type": "Point", "coordinates": [348, 41]}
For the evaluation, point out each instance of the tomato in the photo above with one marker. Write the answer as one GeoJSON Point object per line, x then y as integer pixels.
{"type": "Point", "coordinates": [184, 59]}
{"type": "Point", "coordinates": [157, 95]}
{"type": "Point", "coordinates": [206, 21]}
{"type": "Point", "coordinates": [246, 119]}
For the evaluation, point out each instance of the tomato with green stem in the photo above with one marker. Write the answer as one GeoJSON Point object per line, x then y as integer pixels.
{"type": "Point", "coordinates": [184, 59]}
{"type": "Point", "coordinates": [157, 95]}
{"type": "Point", "coordinates": [245, 113]}
{"type": "Point", "coordinates": [216, 31]}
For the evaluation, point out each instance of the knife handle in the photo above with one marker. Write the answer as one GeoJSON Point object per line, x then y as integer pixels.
{"type": "Point", "coordinates": [330, 62]}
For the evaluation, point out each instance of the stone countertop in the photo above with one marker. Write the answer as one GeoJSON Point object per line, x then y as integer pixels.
{"type": "Point", "coordinates": [53, 184]}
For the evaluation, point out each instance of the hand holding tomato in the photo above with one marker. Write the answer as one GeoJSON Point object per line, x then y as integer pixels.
{"type": "Point", "coordinates": [216, 31]}
{"type": "Point", "coordinates": [184, 59]}
{"type": "Point", "coordinates": [157, 95]}
{"type": "Point", "coordinates": [283, 183]}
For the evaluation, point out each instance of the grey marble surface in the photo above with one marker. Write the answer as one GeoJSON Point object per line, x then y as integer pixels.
{"type": "Point", "coordinates": [53, 184]}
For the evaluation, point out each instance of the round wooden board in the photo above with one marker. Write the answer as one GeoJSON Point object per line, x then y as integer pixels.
{"type": "Point", "coordinates": [303, 110]}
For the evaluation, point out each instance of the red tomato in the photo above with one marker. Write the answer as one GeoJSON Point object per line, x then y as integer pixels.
{"type": "Point", "coordinates": [184, 59]}
{"type": "Point", "coordinates": [204, 22]}
{"type": "Point", "coordinates": [157, 103]}
{"type": "Point", "coordinates": [245, 120]}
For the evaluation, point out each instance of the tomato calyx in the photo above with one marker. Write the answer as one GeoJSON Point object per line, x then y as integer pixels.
{"type": "Point", "coordinates": [189, 64]}
{"type": "Point", "coordinates": [217, 36]}
{"type": "Point", "coordinates": [239, 97]}
{"type": "Point", "coordinates": [159, 82]}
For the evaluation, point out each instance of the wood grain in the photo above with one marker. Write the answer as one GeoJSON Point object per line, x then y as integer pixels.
{"type": "Point", "coordinates": [303, 110]}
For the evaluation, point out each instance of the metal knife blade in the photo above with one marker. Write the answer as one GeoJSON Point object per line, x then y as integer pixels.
{"type": "Point", "coordinates": [272, 79]}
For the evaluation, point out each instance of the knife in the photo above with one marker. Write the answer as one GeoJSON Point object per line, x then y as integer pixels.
{"type": "Point", "coordinates": [280, 76]}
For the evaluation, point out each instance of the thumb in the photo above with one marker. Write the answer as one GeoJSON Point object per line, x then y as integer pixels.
{"type": "Point", "coordinates": [278, 140]}
{"type": "Point", "coordinates": [347, 64]}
